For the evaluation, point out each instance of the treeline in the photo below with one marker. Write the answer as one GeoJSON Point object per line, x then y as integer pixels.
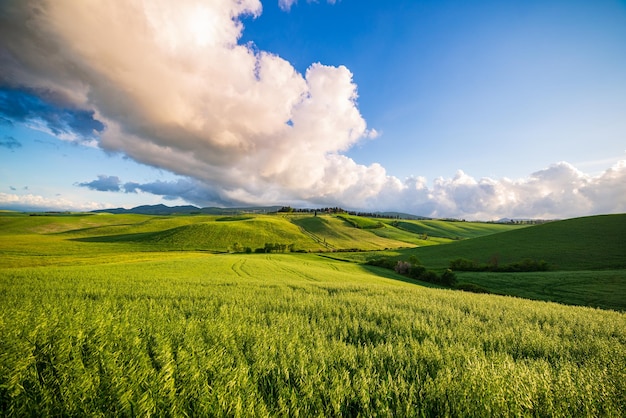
{"type": "Point", "coordinates": [289, 209]}
{"type": "Point", "coordinates": [415, 270]}
{"type": "Point", "coordinates": [526, 265]}
{"type": "Point", "coordinates": [335, 211]}
{"type": "Point", "coordinates": [269, 247]}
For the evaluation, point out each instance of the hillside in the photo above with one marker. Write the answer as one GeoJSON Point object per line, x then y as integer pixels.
{"type": "Point", "coordinates": [589, 243]}
{"type": "Point", "coordinates": [584, 245]}
{"type": "Point", "coordinates": [139, 232]}
{"type": "Point", "coordinates": [455, 230]}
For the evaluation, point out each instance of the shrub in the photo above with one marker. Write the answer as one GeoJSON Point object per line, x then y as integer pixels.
{"type": "Point", "coordinates": [448, 278]}
{"type": "Point", "coordinates": [382, 262]}
{"type": "Point", "coordinates": [402, 267]}
{"type": "Point", "coordinates": [417, 271]}
{"type": "Point", "coordinates": [429, 276]}
{"type": "Point", "coordinates": [526, 265]}
{"type": "Point", "coordinates": [463, 264]}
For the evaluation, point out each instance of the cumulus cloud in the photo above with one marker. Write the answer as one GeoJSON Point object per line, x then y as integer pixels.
{"type": "Point", "coordinates": [175, 90]}
{"type": "Point", "coordinates": [169, 85]}
{"type": "Point", "coordinates": [24, 106]}
{"type": "Point", "coordinates": [559, 191]}
{"type": "Point", "coordinates": [103, 184]}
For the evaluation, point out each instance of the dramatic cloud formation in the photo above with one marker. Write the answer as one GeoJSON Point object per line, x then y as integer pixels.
{"type": "Point", "coordinates": [42, 112]}
{"type": "Point", "coordinates": [167, 84]}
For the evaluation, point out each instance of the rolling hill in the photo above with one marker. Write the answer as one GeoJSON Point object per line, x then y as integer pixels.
{"type": "Point", "coordinates": [593, 247]}
{"type": "Point", "coordinates": [588, 243]}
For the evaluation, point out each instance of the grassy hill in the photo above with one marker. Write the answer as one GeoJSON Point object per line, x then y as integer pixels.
{"type": "Point", "coordinates": [454, 230]}
{"type": "Point", "coordinates": [584, 245]}
{"type": "Point", "coordinates": [215, 234]}
{"type": "Point", "coordinates": [336, 233]}
{"type": "Point", "coordinates": [586, 257]}
{"type": "Point", "coordinates": [589, 243]}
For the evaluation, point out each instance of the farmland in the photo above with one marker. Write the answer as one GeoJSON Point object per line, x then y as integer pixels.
{"type": "Point", "coordinates": [136, 315]}
{"type": "Point", "coordinates": [586, 259]}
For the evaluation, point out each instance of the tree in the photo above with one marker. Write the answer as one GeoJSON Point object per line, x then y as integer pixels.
{"type": "Point", "coordinates": [448, 278]}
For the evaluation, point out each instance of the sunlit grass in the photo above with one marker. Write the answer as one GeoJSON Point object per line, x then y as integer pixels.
{"type": "Point", "coordinates": [293, 335]}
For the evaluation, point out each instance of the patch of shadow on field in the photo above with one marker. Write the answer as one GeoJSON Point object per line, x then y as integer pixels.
{"type": "Point", "coordinates": [90, 229]}
{"type": "Point", "coordinates": [136, 237]}
{"type": "Point", "coordinates": [233, 218]}
{"type": "Point", "coordinates": [388, 274]}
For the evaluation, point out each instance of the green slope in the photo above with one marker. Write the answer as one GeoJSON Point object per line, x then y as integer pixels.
{"type": "Point", "coordinates": [204, 233]}
{"type": "Point", "coordinates": [337, 233]}
{"type": "Point", "coordinates": [589, 243]}
{"type": "Point", "coordinates": [596, 288]}
{"type": "Point", "coordinates": [453, 229]}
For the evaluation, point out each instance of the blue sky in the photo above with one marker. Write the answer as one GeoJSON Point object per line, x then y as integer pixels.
{"type": "Point", "coordinates": [474, 110]}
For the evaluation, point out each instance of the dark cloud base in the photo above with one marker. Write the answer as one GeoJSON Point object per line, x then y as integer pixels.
{"type": "Point", "coordinates": [28, 106]}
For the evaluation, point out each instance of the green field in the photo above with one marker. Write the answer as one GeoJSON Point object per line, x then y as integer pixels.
{"type": "Point", "coordinates": [453, 229]}
{"type": "Point", "coordinates": [598, 288]}
{"type": "Point", "coordinates": [293, 335]}
{"type": "Point", "coordinates": [120, 315]}
{"type": "Point", "coordinates": [586, 258]}
{"type": "Point", "coordinates": [589, 243]}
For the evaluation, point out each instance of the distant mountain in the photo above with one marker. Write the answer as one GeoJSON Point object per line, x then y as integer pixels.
{"type": "Point", "coordinates": [187, 210]}
{"type": "Point", "coordinates": [152, 210]}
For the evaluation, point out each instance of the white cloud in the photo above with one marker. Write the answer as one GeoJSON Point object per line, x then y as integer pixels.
{"type": "Point", "coordinates": [31, 202]}
{"type": "Point", "coordinates": [559, 191]}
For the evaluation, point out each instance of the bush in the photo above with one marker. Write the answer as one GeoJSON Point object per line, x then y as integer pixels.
{"type": "Point", "coordinates": [429, 276]}
{"type": "Point", "coordinates": [417, 271]}
{"type": "Point", "coordinates": [526, 265]}
{"type": "Point", "coordinates": [448, 278]}
{"type": "Point", "coordinates": [464, 264]}
{"type": "Point", "coordinates": [382, 262]}
{"type": "Point", "coordinates": [402, 267]}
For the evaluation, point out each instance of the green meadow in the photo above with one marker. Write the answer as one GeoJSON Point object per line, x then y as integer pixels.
{"type": "Point", "coordinates": [136, 315]}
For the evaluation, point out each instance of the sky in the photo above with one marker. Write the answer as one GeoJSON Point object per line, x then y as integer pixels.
{"type": "Point", "coordinates": [473, 110]}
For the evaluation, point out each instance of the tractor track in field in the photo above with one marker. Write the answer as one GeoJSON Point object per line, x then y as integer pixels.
{"type": "Point", "coordinates": [238, 268]}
